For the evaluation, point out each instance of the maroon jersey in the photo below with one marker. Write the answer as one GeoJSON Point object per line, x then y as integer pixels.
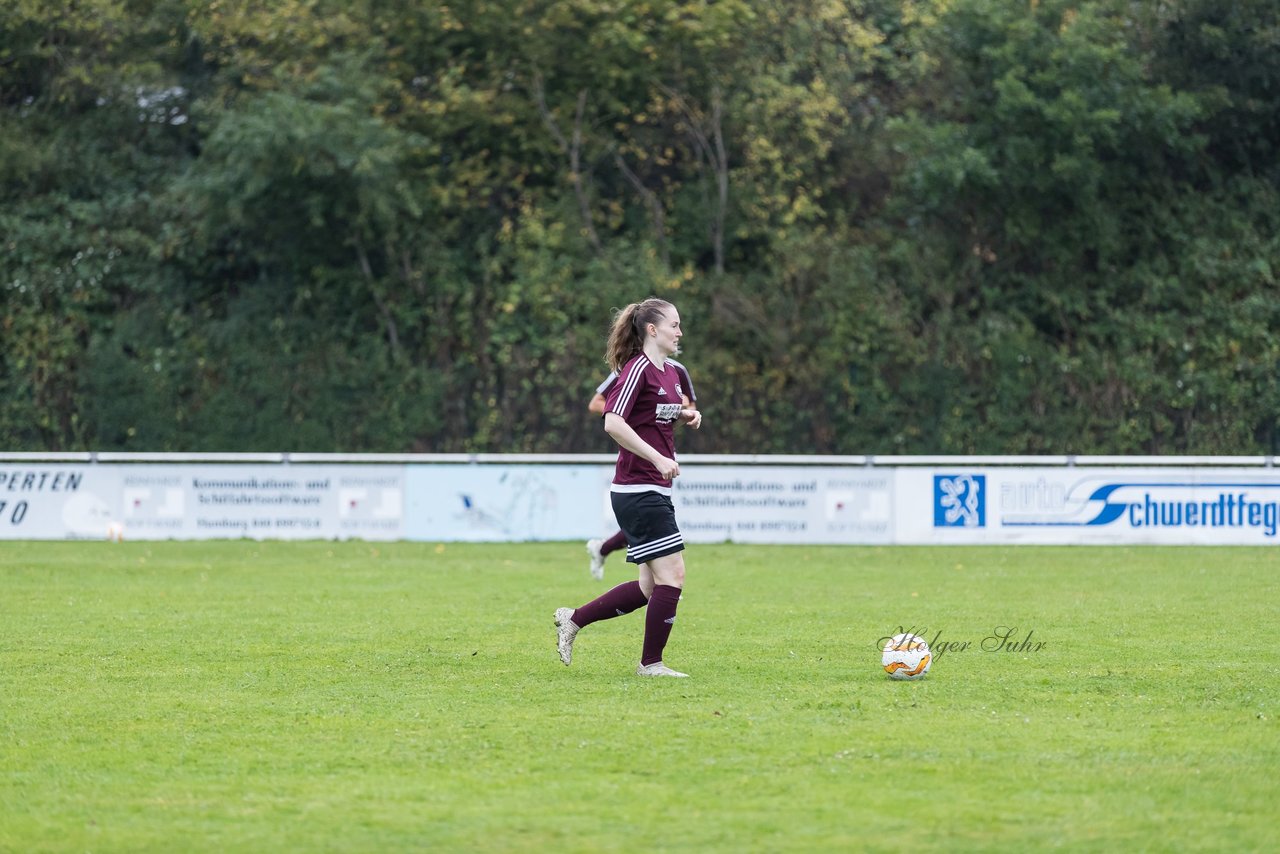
{"type": "Point", "coordinates": [647, 398]}
{"type": "Point", "coordinates": [686, 381]}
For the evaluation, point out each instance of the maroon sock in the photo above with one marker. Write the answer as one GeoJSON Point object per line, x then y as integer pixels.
{"type": "Point", "coordinates": [657, 622]}
{"type": "Point", "coordinates": [617, 541]}
{"type": "Point", "coordinates": [622, 599]}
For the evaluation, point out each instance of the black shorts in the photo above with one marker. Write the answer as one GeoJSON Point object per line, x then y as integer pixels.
{"type": "Point", "coordinates": [648, 520]}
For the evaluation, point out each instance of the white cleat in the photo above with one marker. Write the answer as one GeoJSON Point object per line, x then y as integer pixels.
{"type": "Point", "coordinates": [597, 559]}
{"type": "Point", "coordinates": [566, 631]}
{"type": "Point", "coordinates": [658, 669]}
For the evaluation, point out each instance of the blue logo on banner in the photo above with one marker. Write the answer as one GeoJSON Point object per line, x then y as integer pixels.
{"type": "Point", "coordinates": [1160, 504]}
{"type": "Point", "coordinates": [959, 501]}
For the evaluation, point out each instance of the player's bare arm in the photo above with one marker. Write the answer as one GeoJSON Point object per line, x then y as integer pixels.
{"type": "Point", "coordinates": [622, 433]}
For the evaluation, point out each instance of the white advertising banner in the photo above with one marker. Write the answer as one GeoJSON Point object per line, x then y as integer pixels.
{"type": "Point", "coordinates": [195, 502]}
{"type": "Point", "coordinates": [1078, 506]}
{"type": "Point", "coordinates": [469, 502]}
{"type": "Point", "coordinates": [784, 504]}
{"type": "Point", "coordinates": [296, 502]}
{"type": "Point", "coordinates": [498, 501]}
{"type": "Point", "coordinates": [57, 501]}
{"type": "Point", "coordinates": [744, 504]}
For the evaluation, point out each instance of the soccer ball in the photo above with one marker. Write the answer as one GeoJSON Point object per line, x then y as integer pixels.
{"type": "Point", "coordinates": [906, 656]}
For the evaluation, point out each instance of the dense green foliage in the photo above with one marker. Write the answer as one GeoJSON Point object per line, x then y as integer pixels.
{"type": "Point", "coordinates": [924, 226]}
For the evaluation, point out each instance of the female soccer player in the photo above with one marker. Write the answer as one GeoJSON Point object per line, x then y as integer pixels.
{"type": "Point", "coordinates": [599, 549]}
{"type": "Point", "coordinates": [641, 409]}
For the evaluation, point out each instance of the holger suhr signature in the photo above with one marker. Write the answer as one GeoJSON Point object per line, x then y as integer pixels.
{"type": "Point", "coordinates": [1001, 639]}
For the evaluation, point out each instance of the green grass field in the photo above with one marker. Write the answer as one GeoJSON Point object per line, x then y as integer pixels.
{"type": "Point", "coordinates": [241, 696]}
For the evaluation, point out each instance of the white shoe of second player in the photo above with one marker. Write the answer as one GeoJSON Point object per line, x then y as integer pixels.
{"type": "Point", "coordinates": [658, 669]}
{"type": "Point", "coordinates": [597, 559]}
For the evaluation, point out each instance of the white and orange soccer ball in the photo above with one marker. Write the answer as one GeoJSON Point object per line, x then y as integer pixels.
{"type": "Point", "coordinates": [906, 656]}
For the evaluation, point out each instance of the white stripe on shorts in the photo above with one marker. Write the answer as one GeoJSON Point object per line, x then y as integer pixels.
{"type": "Point", "coordinates": [639, 553]}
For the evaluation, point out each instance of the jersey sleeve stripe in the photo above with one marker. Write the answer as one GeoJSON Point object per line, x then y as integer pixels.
{"type": "Point", "coordinates": [623, 402]}
{"type": "Point", "coordinates": [608, 381]}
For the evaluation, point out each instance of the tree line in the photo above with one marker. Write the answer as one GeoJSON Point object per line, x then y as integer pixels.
{"type": "Point", "coordinates": [891, 226]}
